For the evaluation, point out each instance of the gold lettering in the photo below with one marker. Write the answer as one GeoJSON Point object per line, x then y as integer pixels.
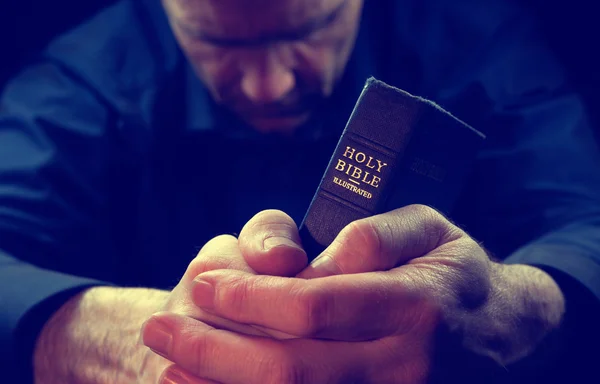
{"type": "Point", "coordinates": [349, 152]}
{"type": "Point", "coordinates": [372, 181]}
{"type": "Point", "coordinates": [352, 188]}
{"type": "Point", "coordinates": [341, 164]}
{"type": "Point", "coordinates": [364, 180]}
{"type": "Point", "coordinates": [357, 172]}
{"type": "Point", "coordinates": [349, 168]}
{"type": "Point", "coordinates": [375, 181]}
{"type": "Point", "coordinates": [370, 163]}
{"type": "Point", "coordinates": [362, 156]}
{"type": "Point", "coordinates": [380, 165]}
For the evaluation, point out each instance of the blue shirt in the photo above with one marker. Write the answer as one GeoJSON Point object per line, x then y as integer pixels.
{"type": "Point", "coordinates": [116, 166]}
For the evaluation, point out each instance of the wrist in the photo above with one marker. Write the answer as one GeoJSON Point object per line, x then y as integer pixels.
{"type": "Point", "coordinates": [533, 308]}
{"type": "Point", "coordinates": [535, 294]}
{"type": "Point", "coordinates": [93, 337]}
{"type": "Point", "coordinates": [563, 356]}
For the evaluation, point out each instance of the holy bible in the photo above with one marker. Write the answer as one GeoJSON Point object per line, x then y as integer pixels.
{"type": "Point", "coordinates": [396, 149]}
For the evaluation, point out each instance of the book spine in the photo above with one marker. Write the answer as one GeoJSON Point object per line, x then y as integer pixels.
{"type": "Point", "coordinates": [355, 186]}
{"type": "Point", "coordinates": [396, 150]}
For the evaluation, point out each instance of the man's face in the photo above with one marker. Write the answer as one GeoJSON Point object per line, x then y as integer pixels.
{"type": "Point", "coordinates": [269, 61]}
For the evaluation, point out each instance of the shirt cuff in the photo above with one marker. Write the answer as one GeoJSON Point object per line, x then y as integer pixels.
{"type": "Point", "coordinates": [563, 258]}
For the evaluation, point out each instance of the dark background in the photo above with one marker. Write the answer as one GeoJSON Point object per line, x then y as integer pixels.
{"type": "Point", "coordinates": [572, 28]}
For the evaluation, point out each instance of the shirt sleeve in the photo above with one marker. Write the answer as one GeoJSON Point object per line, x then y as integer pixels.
{"type": "Point", "coordinates": [54, 156]}
{"type": "Point", "coordinates": [535, 194]}
{"type": "Point", "coordinates": [534, 197]}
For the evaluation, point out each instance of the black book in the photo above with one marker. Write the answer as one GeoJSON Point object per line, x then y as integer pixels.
{"type": "Point", "coordinates": [397, 149]}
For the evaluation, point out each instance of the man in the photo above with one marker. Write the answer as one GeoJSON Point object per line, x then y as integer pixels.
{"type": "Point", "coordinates": [149, 131]}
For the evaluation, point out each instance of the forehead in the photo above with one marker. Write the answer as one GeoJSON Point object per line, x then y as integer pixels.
{"type": "Point", "coordinates": [246, 18]}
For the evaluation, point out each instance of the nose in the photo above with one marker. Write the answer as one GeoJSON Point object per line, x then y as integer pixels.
{"type": "Point", "coordinates": [266, 77]}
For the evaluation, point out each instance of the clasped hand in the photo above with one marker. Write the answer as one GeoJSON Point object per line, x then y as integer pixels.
{"type": "Point", "coordinates": [369, 309]}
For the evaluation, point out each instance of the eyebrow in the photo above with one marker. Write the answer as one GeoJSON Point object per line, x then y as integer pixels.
{"type": "Point", "coordinates": [293, 35]}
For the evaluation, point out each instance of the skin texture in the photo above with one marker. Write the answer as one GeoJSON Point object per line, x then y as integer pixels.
{"type": "Point", "coordinates": [75, 347]}
{"type": "Point", "coordinates": [269, 62]}
{"type": "Point", "coordinates": [111, 350]}
{"type": "Point", "coordinates": [369, 310]}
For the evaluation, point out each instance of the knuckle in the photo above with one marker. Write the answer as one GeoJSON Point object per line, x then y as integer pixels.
{"type": "Point", "coordinates": [424, 213]}
{"type": "Point", "coordinates": [284, 368]}
{"type": "Point", "coordinates": [200, 349]}
{"type": "Point", "coordinates": [236, 293]}
{"type": "Point", "coordinates": [363, 235]}
{"type": "Point", "coordinates": [314, 306]}
{"type": "Point", "coordinates": [201, 265]}
{"type": "Point", "coordinates": [423, 209]}
{"type": "Point", "coordinates": [210, 257]}
{"type": "Point", "coordinates": [436, 228]}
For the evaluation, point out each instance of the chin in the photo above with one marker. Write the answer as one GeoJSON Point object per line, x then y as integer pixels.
{"type": "Point", "coordinates": [278, 124]}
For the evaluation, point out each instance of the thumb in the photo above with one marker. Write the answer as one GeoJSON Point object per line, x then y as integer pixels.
{"type": "Point", "coordinates": [270, 244]}
{"type": "Point", "coordinates": [383, 242]}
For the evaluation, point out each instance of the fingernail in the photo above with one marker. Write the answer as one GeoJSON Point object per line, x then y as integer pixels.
{"type": "Point", "coordinates": [278, 241]}
{"type": "Point", "coordinates": [158, 337]}
{"type": "Point", "coordinates": [173, 377]}
{"type": "Point", "coordinates": [325, 266]}
{"type": "Point", "coordinates": [203, 293]}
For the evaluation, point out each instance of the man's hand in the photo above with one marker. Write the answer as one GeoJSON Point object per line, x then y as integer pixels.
{"type": "Point", "coordinates": [361, 326]}
{"type": "Point", "coordinates": [96, 334]}
{"type": "Point", "coordinates": [270, 244]}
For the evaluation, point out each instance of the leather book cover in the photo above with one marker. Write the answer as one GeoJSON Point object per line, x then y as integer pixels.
{"type": "Point", "coordinates": [396, 149]}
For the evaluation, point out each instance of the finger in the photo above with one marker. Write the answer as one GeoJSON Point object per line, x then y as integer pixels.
{"type": "Point", "coordinates": [227, 357]}
{"type": "Point", "coordinates": [177, 375]}
{"type": "Point", "coordinates": [270, 244]}
{"type": "Point", "coordinates": [356, 307]}
{"type": "Point", "coordinates": [221, 252]}
{"type": "Point", "coordinates": [384, 241]}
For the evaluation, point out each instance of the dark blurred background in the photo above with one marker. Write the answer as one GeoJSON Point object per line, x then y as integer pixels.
{"type": "Point", "coordinates": [572, 28]}
{"type": "Point", "coordinates": [27, 25]}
